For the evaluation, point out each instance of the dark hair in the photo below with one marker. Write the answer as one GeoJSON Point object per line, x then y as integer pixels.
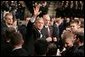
{"type": "Point", "coordinates": [52, 50]}
{"type": "Point", "coordinates": [16, 38]}
{"type": "Point", "coordinates": [9, 31]}
{"type": "Point", "coordinates": [40, 47]}
{"type": "Point", "coordinates": [75, 21]}
{"type": "Point", "coordinates": [80, 36]}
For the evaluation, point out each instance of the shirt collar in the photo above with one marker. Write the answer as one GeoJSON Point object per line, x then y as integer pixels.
{"type": "Point", "coordinates": [16, 48]}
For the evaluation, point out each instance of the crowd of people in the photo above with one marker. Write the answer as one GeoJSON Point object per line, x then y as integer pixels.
{"type": "Point", "coordinates": [42, 35]}
{"type": "Point", "coordinates": [70, 8]}
{"type": "Point", "coordinates": [17, 8]}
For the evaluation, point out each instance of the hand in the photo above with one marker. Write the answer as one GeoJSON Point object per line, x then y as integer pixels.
{"type": "Point", "coordinates": [58, 53]}
{"type": "Point", "coordinates": [49, 39]}
{"type": "Point", "coordinates": [57, 24]}
{"type": "Point", "coordinates": [36, 10]}
{"type": "Point", "coordinates": [55, 39]}
{"type": "Point", "coordinates": [15, 23]}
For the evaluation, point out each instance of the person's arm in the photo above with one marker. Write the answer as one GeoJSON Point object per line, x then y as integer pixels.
{"type": "Point", "coordinates": [36, 13]}
{"type": "Point", "coordinates": [32, 20]}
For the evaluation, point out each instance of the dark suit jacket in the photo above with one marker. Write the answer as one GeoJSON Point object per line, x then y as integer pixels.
{"type": "Point", "coordinates": [19, 52]}
{"type": "Point", "coordinates": [5, 47]}
{"type": "Point", "coordinates": [45, 31]}
{"type": "Point", "coordinates": [74, 51]}
{"type": "Point", "coordinates": [79, 51]}
{"type": "Point", "coordinates": [53, 32]}
{"type": "Point", "coordinates": [22, 30]}
{"type": "Point", "coordinates": [3, 26]}
{"type": "Point", "coordinates": [31, 36]}
{"type": "Point", "coordinates": [69, 51]}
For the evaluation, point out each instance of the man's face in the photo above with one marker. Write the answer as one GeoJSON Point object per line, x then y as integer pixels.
{"type": "Point", "coordinates": [9, 19]}
{"type": "Point", "coordinates": [68, 42]}
{"type": "Point", "coordinates": [46, 19]}
{"type": "Point", "coordinates": [39, 24]}
{"type": "Point", "coordinates": [74, 27]}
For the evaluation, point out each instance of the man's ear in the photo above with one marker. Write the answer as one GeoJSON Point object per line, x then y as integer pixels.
{"type": "Point", "coordinates": [4, 19]}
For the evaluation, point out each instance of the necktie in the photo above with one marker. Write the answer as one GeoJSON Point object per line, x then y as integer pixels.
{"type": "Point", "coordinates": [40, 34]}
{"type": "Point", "coordinates": [48, 32]}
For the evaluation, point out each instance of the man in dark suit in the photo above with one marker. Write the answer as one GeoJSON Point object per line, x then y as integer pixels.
{"type": "Point", "coordinates": [16, 43]}
{"type": "Point", "coordinates": [71, 49]}
{"type": "Point", "coordinates": [34, 28]}
{"type": "Point", "coordinates": [68, 38]}
{"type": "Point", "coordinates": [58, 29]}
{"type": "Point", "coordinates": [41, 47]}
{"type": "Point", "coordinates": [79, 51]}
{"type": "Point", "coordinates": [33, 33]}
{"type": "Point", "coordinates": [7, 21]}
{"type": "Point", "coordinates": [48, 29]}
{"type": "Point", "coordinates": [5, 41]}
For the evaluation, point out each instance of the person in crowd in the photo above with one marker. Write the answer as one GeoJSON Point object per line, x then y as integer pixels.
{"type": "Point", "coordinates": [80, 44]}
{"type": "Point", "coordinates": [8, 21]}
{"type": "Point", "coordinates": [74, 25]}
{"type": "Point", "coordinates": [30, 8]}
{"type": "Point", "coordinates": [43, 8]}
{"type": "Point", "coordinates": [5, 6]}
{"type": "Point", "coordinates": [5, 41]}
{"type": "Point", "coordinates": [34, 28]}
{"type": "Point", "coordinates": [48, 29]}
{"type": "Point", "coordinates": [30, 38]}
{"type": "Point", "coordinates": [68, 38]}
{"type": "Point", "coordinates": [33, 33]}
{"type": "Point", "coordinates": [52, 50]}
{"type": "Point", "coordinates": [56, 25]}
{"type": "Point", "coordinates": [40, 47]}
{"type": "Point", "coordinates": [59, 26]}
{"type": "Point", "coordinates": [20, 11]}
{"type": "Point", "coordinates": [22, 27]}
{"type": "Point", "coordinates": [16, 43]}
